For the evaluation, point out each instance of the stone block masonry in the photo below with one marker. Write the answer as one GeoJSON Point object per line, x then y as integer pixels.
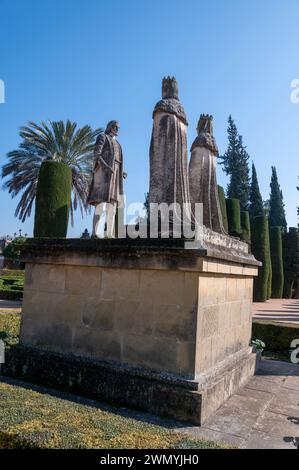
{"type": "Point", "coordinates": [160, 309]}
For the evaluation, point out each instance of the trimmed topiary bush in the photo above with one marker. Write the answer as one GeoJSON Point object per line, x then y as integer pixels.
{"type": "Point", "coordinates": [270, 274]}
{"type": "Point", "coordinates": [260, 246]}
{"type": "Point", "coordinates": [222, 203]}
{"type": "Point", "coordinates": [278, 338]}
{"type": "Point", "coordinates": [11, 285]}
{"type": "Point", "coordinates": [277, 262]}
{"type": "Point", "coordinates": [290, 260]}
{"type": "Point", "coordinates": [245, 227]}
{"type": "Point", "coordinates": [53, 200]}
{"type": "Point", "coordinates": [233, 217]}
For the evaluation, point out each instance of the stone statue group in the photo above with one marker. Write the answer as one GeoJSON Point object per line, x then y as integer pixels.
{"type": "Point", "coordinates": [171, 181]}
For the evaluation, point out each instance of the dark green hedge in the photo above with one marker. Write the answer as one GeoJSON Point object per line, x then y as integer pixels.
{"type": "Point", "coordinates": [222, 203]}
{"type": "Point", "coordinates": [277, 338]}
{"type": "Point", "coordinates": [277, 262]}
{"type": "Point", "coordinates": [260, 246]}
{"type": "Point", "coordinates": [11, 287]}
{"type": "Point", "coordinates": [245, 227]}
{"type": "Point", "coordinates": [53, 200]}
{"type": "Point", "coordinates": [234, 217]}
{"type": "Point", "coordinates": [290, 260]}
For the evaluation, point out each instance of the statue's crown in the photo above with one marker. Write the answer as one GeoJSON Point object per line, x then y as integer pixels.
{"type": "Point", "coordinates": [170, 88]}
{"type": "Point", "coordinates": [204, 121]}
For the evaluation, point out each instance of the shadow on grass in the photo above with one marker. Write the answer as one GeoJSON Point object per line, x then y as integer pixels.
{"type": "Point", "coordinates": [103, 406]}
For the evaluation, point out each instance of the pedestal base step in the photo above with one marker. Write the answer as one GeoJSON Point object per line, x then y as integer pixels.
{"type": "Point", "coordinates": [158, 393]}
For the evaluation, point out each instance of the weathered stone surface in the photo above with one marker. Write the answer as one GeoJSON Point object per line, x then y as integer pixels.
{"type": "Point", "coordinates": [108, 175]}
{"type": "Point", "coordinates": [168, 151]}
{"type": "Point", "coordinates": [156, 307]}
{"type": "Point", "coordinates": [262, 415]}
{"type": "Point", "coordinates": [160, 393]}
{"type": "Point", "coordinates": [202, 175]}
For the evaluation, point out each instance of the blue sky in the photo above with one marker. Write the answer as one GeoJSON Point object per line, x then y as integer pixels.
{"type": "Point", "coordinates": [95, 60]}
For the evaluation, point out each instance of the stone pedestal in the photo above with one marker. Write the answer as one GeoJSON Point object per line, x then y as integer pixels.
{"type": "Point", "coordinates": [146, 323]}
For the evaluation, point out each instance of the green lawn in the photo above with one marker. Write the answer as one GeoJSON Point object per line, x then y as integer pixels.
{"type": "Point", "coordinates": [11, 284]}
{"type": "Point", "coordinates": [32, 419]}
{"type": "Point", "coordinates": [10, 326]}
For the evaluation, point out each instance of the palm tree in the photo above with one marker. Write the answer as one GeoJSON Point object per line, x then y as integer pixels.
{"type": "Point", "coordinates": [58, 141]}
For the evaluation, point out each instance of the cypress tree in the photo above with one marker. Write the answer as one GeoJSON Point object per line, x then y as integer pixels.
{"type": "Point", "coordinates": [277, 262]}
{"type": "Point", "coordinates": [234, 217]}
{"type": "Point", "coordinates": [256, 205]}
{"type": "Point", "coordinates": [260, 246]}
{"type": "Point", "coordinates": [245, 227]}
{"type": "Point", "coordinates": [277, 216]}
{"type": "Point", "coordinates": [223, 207]}
{"type": "Point", "coordinates": [53, 198]}
{"type": "Point", "coordinates": [235, 164]}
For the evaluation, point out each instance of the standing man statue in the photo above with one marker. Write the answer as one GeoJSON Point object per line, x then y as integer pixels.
{"type": "Point", "coordinates": [106, 191]}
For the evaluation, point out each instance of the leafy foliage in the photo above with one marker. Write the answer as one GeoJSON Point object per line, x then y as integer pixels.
{"type": "Point", "coordinates": [259, 344]}
{"type": "Point", "coordinates": [13, 249]}
{"type": "Point", "coordinates": [235, 164]}
{"type": "Point", "coordinates": [9, 327]}
{"type": "Point", "coordinates": [58, 141]}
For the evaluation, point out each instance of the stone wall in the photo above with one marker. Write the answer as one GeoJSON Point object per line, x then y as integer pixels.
{"type": "Point", "coordinates": [177, 321]}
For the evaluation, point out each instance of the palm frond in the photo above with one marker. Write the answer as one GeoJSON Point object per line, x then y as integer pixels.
{"type": "Point", "coordinates": [59, 141]}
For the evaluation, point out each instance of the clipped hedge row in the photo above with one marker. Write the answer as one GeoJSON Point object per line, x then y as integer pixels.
{"type": "Point", "coordinates": [245, 227]}
{"type": "Point", "coordinates": [11, 286]}
{"type": "Point", "coordinates": [277, 262]}
{"type": "Point", "coordinates": [222, 203]}
{"type": "Point", "coordinates": [261, 249]}
{"type": "Point", "coordinates": [277, 338]}
{"type": "Point", "coordinates": [234, 217]}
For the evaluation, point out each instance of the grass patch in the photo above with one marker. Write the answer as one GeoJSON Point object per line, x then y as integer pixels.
{"type": "Point", "coordinates": [10, 326]}
{"type": "Point", "coordinates": [31, 419]}
{"type": "Point", "coordinates": [11, 284]}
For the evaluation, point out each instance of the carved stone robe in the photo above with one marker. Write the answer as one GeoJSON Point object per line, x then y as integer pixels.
{"type": "Point", "coordinates": [203, 182]}
{"type": "Point", "coordinates": [168, 154]}
{"type": "Point", "coordinates": [107, 186]}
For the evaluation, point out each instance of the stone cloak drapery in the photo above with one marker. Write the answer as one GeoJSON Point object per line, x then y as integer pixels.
{"type": "Point", "coordinates": [168, 155]}
{"type": "Point", "coordinates": [203, 185]}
